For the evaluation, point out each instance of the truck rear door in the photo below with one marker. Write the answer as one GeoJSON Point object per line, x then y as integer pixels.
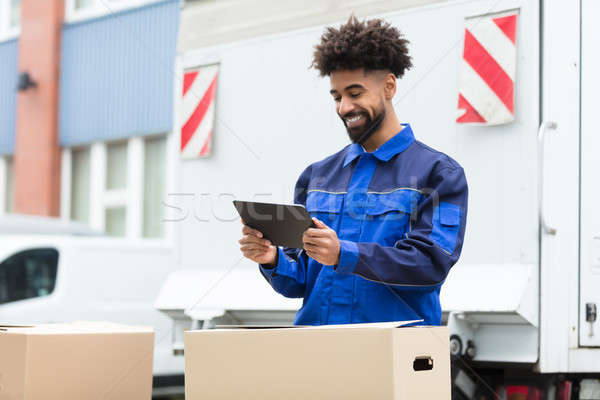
{"type": "Point", "coordinates": [589, 327]}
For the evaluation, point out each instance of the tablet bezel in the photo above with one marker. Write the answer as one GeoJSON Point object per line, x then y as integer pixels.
{"type": "Point", "coordinates": [282, 224]}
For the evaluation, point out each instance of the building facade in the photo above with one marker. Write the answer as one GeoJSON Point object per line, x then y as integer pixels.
{"type": "Point", "coordinates": [84, 136]}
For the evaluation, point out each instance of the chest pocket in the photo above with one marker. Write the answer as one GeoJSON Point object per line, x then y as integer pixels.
{"type": "Point", "coordinates": [388, 215]}
{"type": "Point", "coordinates": [325, 206]}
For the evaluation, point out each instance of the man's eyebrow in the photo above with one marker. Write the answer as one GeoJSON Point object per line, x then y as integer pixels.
{"type": "Point", "coordinates": [353, 86]}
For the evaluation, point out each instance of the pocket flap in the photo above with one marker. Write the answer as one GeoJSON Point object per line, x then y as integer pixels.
{"type": "Point", "coordinates": [449, 214]}
{"type": "Point", "coordinates": [399, 200]}
{"type": "Point", "coordinates": [317, 201]}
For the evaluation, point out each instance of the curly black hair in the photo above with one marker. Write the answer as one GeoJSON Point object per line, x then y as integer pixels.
{"type": "Point", "coordinates": [370, 45]}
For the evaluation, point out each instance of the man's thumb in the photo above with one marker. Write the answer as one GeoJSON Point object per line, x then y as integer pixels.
{"type": "Point", "coordinates": [319, 224]}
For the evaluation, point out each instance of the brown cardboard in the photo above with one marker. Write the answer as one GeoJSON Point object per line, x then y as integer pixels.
{"type": "Point", "coordinates": [82, 360]}
{"type": "Point", "coordinates": [362, 361]}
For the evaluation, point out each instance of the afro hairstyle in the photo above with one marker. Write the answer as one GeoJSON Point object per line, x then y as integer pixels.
{"type": "Point", "coordinates": [370, 45]}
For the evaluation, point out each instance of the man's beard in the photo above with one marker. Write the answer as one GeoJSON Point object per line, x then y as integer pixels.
{"type": "Point", "coordinates": [363, 133]}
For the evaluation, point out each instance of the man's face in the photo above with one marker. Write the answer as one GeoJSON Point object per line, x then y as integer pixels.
{"type": "Point", "coordinates": [359, 101]}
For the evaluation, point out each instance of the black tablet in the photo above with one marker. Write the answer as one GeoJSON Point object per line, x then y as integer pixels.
{"type": "Point", "coordinates": [282, 224]}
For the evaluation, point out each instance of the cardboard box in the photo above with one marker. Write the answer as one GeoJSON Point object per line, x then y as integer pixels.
{"type": "Point", "coordinates": [361, 361]}
{"type": "Point", "coordinates": [83, 360]}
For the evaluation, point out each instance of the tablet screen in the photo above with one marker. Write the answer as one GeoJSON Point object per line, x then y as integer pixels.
{"type": "Point", "coordinates": [282, 224]}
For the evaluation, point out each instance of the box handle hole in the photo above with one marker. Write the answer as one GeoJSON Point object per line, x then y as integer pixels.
{"type": "Point", "coordinates": [423, 363]}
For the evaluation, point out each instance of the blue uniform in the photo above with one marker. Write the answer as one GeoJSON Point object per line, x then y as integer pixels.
{"type": "Point", "coordinates": [400, 214]}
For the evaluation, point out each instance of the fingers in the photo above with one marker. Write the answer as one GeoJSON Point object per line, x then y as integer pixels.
{"type": "Point", "coordinates": [319, 237]}
{"type": "Point", "coordinates": [254, 253]}
{"type": "Point", "coordinates": [253, 240]}
{"type": "Point", "coordinates": [314, 242]}
{"type": "Point", "coordinates": [309, 252]}
{"type": "Point", "coordinates": [319, 242]}
{"type": "Point", "coordinates": [254, 246]}
{"type": "Point", "coordinates": [315, 255]}
{"type": "Point", "coordinates": [317, 232]}
{"type": "Point", "coordinates": [246, 230]}
{"type": "Point", "coordinates": [310, 248]}
{"type": "Point", "coordinates": [257, 253]}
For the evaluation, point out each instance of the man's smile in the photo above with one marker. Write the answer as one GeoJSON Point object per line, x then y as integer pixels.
{"type": "Point", "coordinates": [355, 119]}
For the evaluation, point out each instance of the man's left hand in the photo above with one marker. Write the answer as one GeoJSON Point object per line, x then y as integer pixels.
{"type": "Point", "coordinates": [322, 243]}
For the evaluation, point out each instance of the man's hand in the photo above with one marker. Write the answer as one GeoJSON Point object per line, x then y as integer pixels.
{"type": "Point", "coordinates": [255, 248]}
{"type": "Point", "coordinates": [322, 243]}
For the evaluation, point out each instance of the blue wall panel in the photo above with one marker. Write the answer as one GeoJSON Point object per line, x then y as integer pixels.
{"type": "Point", "coordinates": [8, 95]}
{"type": "Point", "coordinates": [117, 74]}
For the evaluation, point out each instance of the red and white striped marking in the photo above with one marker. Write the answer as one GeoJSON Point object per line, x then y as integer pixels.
{"type": "Point", "coordinates": [198, 111]}
{"type": "Point", "coordinates": [488, 67]}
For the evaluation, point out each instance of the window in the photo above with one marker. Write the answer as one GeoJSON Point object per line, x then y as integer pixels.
{"type": "Point", "coordinates": [9, 192]}
{"type": "Point", "coordinates": [83, 4]}
{"type": "Point", "coordinates": [115, 220]}
{"type": "Point", "coordinates": [154, 186]}
{"type": "Point", "coordinates": [80, 185]}
{"type": "Point", "coordinates": [117, 187]}
{"type": "Point", "coordinates": [82, 9]}
{"type": "Point", "coordinates": [15, 14]}
{"type": "Point", "coordinates": [28, 274]}
{"type": "Point", "coordinates": [116, 166]}
{"type": "Point", "coordinates": [10, 18]}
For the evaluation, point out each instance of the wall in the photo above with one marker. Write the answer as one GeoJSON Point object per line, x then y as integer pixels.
{"type": "Point", "coordinates": [210, 22]}
{"type": "Point", "coordinates": [8, 95]}
{"type": "Point", "coordinates": [117, 74]}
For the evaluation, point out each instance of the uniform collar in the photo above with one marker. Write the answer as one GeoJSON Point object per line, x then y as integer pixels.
{"type": "Point", "coordinates": [397, 144]}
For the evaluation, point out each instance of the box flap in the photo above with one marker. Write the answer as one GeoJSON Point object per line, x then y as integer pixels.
{"type": "Point", "coordinates": [10, 327]}
{"type": "Point", "coordinates": [258, 326]}
{"type": "Point", "coordinates": [392, 324]}
{"type": "Point", "coordinates": [76, 328]}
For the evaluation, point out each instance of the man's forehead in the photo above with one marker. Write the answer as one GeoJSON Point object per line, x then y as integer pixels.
{"type": "Point", "coordinates": [342, 80]}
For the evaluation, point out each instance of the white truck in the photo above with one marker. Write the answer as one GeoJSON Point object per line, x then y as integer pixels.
{"type": "Point", "coordinates": [521, 302]}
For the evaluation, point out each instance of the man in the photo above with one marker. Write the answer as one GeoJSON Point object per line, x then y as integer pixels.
{"type": "Point", "coordinates": [389, 211]}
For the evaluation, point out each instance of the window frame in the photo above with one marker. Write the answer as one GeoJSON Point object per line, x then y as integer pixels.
{"type": "Point", "coordinates": [67, 180]}
{"type": "Point", "coordinates": [99, 9]}
{"type": "Point", "coordinates": [3, 184]}
{"type": "Point", "coordinates": [5, 161]}
{"type": "Point", "coordinates": [167, 140]}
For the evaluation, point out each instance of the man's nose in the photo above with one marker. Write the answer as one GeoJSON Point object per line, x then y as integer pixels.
{"type": "Point", "coordinates": [345, 106]}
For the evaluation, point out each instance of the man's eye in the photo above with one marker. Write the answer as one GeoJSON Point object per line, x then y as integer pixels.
{"type": "Point", "coordinates": [354, 95]}
{"type": "Point", "coordinates": [337, 99]}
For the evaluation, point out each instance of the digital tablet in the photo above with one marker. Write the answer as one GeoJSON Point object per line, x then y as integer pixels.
{"type": "Point", "coordinates": [282, 224]}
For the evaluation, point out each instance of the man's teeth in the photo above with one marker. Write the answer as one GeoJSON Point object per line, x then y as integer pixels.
{"type": "Point", "coordinates": [354, 119]}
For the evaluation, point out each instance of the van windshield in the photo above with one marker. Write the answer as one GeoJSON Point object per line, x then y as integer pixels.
{"type": "Point", "coordinates": [28, 274]}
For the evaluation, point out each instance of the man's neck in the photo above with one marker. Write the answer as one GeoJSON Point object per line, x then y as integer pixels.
{"type": "Point", "coordinates": [390, 126]}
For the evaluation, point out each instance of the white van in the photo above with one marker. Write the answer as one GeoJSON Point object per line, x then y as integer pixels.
{"type": "Point", "coordinates": [52, 271]}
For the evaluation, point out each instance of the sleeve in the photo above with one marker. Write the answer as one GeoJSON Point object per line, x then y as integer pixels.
{"type": "Point", "coordinates": [288, 277]}
{"type": "Point", "coordinates": [422, 258]}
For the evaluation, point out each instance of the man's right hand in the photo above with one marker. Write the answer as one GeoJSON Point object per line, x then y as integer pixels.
{"type": "Point", "coordinates": [255, 248]}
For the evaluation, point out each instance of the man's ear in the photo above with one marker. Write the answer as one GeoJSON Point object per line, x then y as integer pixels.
{"type": "Point", "coordinates": [389, 86]}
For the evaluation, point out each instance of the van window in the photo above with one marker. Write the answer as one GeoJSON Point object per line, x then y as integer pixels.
{"type": "Point", "coordinates": [28, 274]}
